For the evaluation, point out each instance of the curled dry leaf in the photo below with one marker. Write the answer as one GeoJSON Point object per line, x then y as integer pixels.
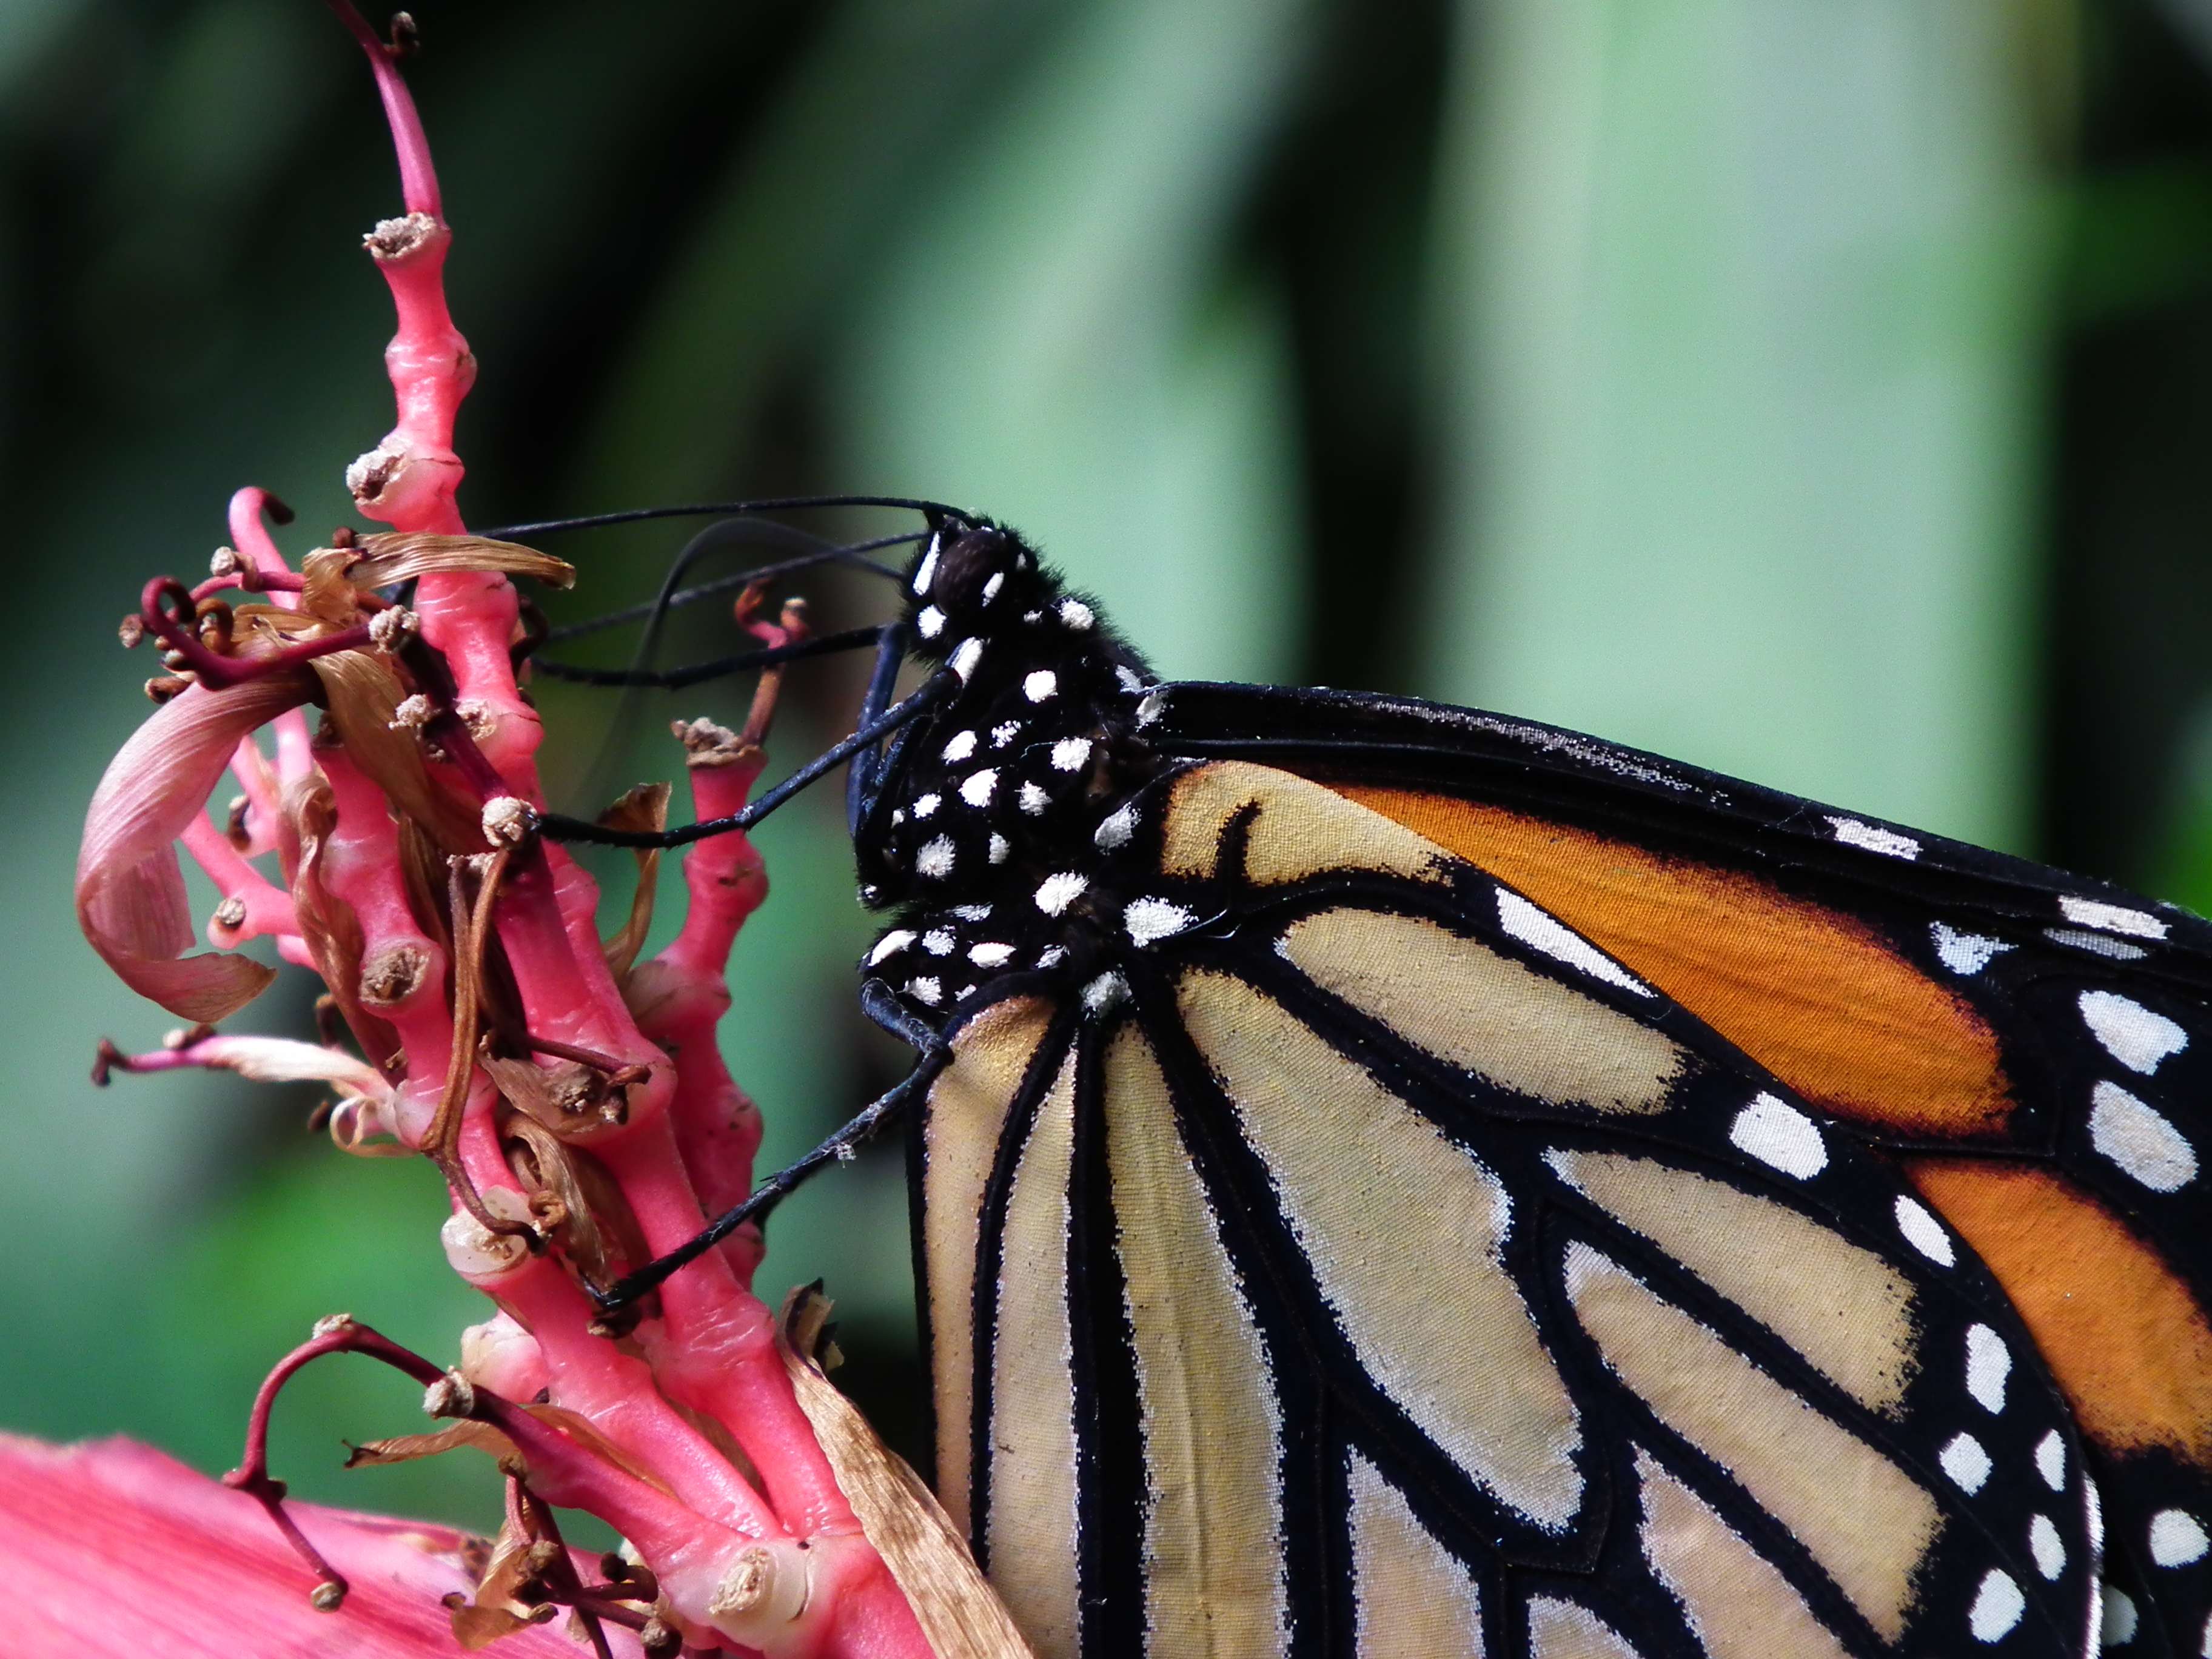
{"type": "Point", "coordinates": [646, 808]}
{"type": "Point", "coordinates": [363, 698]}
{"type": "Point", "coordinates": [397, 556]}
{"type": "Point", "coordinates": [958, 1610]}
{"type": "Point", "coordinates": [130, 888]}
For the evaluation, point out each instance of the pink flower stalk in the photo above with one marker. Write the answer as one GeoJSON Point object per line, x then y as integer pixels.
{"type": "Point", "coordinates": [573, 1097]}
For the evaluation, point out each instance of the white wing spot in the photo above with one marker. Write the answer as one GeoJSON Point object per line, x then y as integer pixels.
{"type": "Point", "coordinates": [1876, 839]}
{"type": "Point", "coordinates": [1998, 1606]}
{"type": "Point", "coordinates": [2045, 1545]}
{"type": "Point", "coordinates": [934, 860]}
{"type": "Point", "coordinates": [1537, 927]}
{"type": "Point", "coordinates": [965, 659]}
{"type": "Point", "coordinates": [999, 848]}
{"type": "Point", "coordinates": [2140, 1141]}
{"type": "Point", "coordinates": [1034, 799]}
{"type": "Point", "coordinates": [2176, 1538]}
{"type": "Point", "coordinates": [1069, 754]}
{"type": "Point", "coordinates": [890, 945]}
{"type": "Point", "coordinates": [1115, 830]}
{"type": "Point", "coordinates": [1055, 893]}
{"type": "Point", "coordinates": [924, 806]}
{"type": "Point", "coordinates": [1040, 686]}
{"type": "Point", "coordinates": [930, 624]}
{"type": "Point", "coordinates": [991, 955]}
{"type": "Point", "coordinates": [1989, 1362]}
{"type": "Point", "coordinates": [1151, 707]}
{"type": "Point", "coordinates": [2111, 918]}
{"type": "Point", "coordinates": [1149, 920]}
{"type": "Point", "coordinates": [2131, 1033]}
{"type": "Point", "coordinates": [962, 746]}
{"type": "Point", "coordinates": [1964, 953]}
{"type": "Point", "coordinates": [976, 789]}
{"type": "Point", "coordinates": [1963, 1459]}
{"type": "Point", "coordinates": [938, 942]}
{"type": "Point", "coordinates": [2118, 949]}
{"type": "Point", "coordinates": [2116, 1626]}
{"type": "Point", "coordinates": [1923, 1232]}
{"type": "Point", "coordinates": [2051, 1460]}
{"type": "Point", "coordinates": [1778, 1133]}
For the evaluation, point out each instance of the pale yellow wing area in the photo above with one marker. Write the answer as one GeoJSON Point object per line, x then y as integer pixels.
{"type": "Point", "coordinates": [1031, 1523]}
{"type": "Point", "coordinates": [1866, 1521]}
{"type": "Point", "coordinates": [1415, 1599]}
{"type": "Point", "coordinates": [1484, 1012]}
{"type": "Point", "coordinates": [1845, 1309]}
{"type": "Point", "coordinates": [967, 1114]}
{"type": "Point", "coordinates": [1567, 1629]}
{"type": "Point", "coordinates": [1212, 1426]}
{"type": "Point", "coordinates": [1295, 828]}
{"type": "Point", "coordinates": [1441, 1328]}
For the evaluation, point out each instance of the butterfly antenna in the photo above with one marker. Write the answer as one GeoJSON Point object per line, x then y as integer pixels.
{"type": "Point", "coordinates": [554, 826]}
{"type": "Point", "coordinates": [935, 510]}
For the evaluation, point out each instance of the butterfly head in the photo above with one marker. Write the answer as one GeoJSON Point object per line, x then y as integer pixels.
{"type": "Point", "coordinates": [967, 580]}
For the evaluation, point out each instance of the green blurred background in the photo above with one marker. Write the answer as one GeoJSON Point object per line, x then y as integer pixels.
{"type": "Point", "coordinates": [1820, 390]}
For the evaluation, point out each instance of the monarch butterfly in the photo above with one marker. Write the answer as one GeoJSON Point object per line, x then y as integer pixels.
{"type": "Point", "coordinates": [1391, 1179]}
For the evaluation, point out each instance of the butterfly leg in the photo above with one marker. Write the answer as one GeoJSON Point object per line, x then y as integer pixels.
{"type": "Point", "coordinates": [840, 1147]}
{"type": "Point", "coordinates": [865, 778]}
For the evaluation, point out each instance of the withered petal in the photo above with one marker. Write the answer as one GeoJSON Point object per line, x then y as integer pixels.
{"type": "Point", "coordinates": [396, 556]}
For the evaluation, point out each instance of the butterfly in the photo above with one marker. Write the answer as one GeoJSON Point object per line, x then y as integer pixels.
{"type": "Point", "coordinates": [1393, 1179]}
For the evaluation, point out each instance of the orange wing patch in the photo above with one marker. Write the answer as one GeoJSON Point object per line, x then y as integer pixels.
{"type": "Point", "coordinates": [1818, 998]}
{"type": "Point", "coordinates": [2118, 1327]}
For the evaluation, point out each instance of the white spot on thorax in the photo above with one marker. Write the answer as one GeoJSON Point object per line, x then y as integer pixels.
{"type": "Point", "coordinates": [2176, 1538]}
{"type": "Point", "coordinates": [1055, 893]}
{"type": "Point", "coordinates": [964, 659]}
{"type": "Point", "coordinates": [1923, 1232]}
{"type": "Point", "coordinates": [1150, 919]}
{"type": "Point", "coordinates": [926, 990]}
{"type": "Point", "coordinates": [890, 945]}
{"type": "Point", "coordinates": [2045, 1545]}
{"type": "Point", "coordinates": [1998, 1606]}
{"type": "Point", "coordinates": [2111, 918]}
{"type": "Point", "coordinates": [2051, 1460]}
{"type": "Point", "coordinates": [1077, 616]}
{"type": "Point", "coordinates": [1989, 1362]}
{"type": "Point", "coordinates": [999, 848]}
{"type": "Point", "coordinates": [972, 912]}
{"type": "Point", "coordinates": [930, 624]}
{"type": "Point", "coordinates": [977, 788]}
{"type": "Point", "coordinates": [1963, 1459]}
{"type": "Point", "coordinates": [991, 587]}
{"type": "Point", "coordinates": [1964, 953]}
{"type": "Point", "coordinates": [1040, 686]}
{"type": "Point", "coordinates": [962, 746]}
{"type": "Point", "coordinates": [927, 570]}
{"type": "Point", "coordinates": [1115, 830]}
{"type": "Point", "coordinates": [1151, 707]}
{"type": "Point", "coordinates": [1778, 1133]}
{"type": "Point", "coordinates": [1537, 927]}
{"type": "Point", "coordinates": [925, 805]}
{"type": "Point", "coordinates": [1876, 839]}
{"type": "Point", "coordinates": [2138, 1038]}
{"type": "Point", "coordinates": [1069, 753]}
{"type": "Point", "coordinates": [1034, 799]}
{"type": "Point", "coordinates": [1005, 732]}
{"type": "Point", "coordinates": [991, 955]}
{"type": "Point", "coordinates": [934, 860]}
{"type": "Point", "coordinates": [1129, 678]}
{"type": "Point", "coordinates": [1106, 991]}
{"type": "Point", "coordinates": [936, 942]}
{"type": "Point", "coordinates": [1051, 956]}
{"type": "Point", "coordinates": [2140, 1141]}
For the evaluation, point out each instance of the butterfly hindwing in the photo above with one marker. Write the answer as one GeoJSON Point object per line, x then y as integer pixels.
{"type": "Point", "coordinates": [1381, 1266]}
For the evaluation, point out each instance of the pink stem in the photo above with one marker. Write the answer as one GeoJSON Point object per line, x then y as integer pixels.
{"type": "Point", "coordinates": [418, 178]}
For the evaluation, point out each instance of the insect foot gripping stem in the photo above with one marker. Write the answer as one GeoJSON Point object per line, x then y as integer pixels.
{"type": "Point", "coordinates": [571, 1094]}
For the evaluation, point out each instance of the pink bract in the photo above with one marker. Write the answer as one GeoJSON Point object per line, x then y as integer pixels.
{"type": "Point", "coordinates": [573, 1097]}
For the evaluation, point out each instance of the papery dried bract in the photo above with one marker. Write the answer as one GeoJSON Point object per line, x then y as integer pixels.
{"type": "Point", "coordinates": [129, 887]}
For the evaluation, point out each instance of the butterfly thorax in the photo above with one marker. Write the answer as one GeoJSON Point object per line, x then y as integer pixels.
{"type": "Point", "coordinates": [996, 821]}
